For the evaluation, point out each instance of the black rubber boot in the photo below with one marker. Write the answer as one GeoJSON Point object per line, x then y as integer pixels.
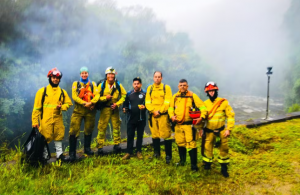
{"type": "Point", "coordinates": [63, 158]}
{"type": "Point", "coordinates": [207, 165]}
{"type": "Point", "coordinates": [87, 145]}
{"type": "Point", "coordinates": [193, 156]}
{"type": "Point", "coordinates": [168, 150]}
{"type": "Point", "coordinates": [117, 149]}
{"type": "Point", "coordinates": [72, 148]}
{"type": "Point", "coordinates": [100, 152]}
{"type": "Point", "coordinates": [156, 148]}
{"type": "Point", "coordinates": [182, 155]}
{"type": "Point", "coordinates": [224, 169]}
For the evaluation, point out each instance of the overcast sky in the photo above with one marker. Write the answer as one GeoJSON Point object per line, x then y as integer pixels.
{"type": "Point", "coordinates": [233, 36]}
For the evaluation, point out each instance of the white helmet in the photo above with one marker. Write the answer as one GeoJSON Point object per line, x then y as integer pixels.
{"type": "Point", "coordinates": [110, 70]}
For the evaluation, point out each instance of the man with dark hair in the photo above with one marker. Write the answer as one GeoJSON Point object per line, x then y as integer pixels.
{"type": "Point", "coordinates": [181, 104]}
{"type": "Point", "coordinates": [47, 115]}
{"type": "Point", "coordinates": [183, 81]}
{"type": "Point", "coordinates": [158, 98]}
{"type": "Point", "coordinates": [134, 105]}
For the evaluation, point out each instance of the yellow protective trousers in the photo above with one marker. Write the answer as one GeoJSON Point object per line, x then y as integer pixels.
{"type": "Point", "coordinates": [209, 145]}
{"type": "Point", "coordinates": [160, 127]}
{"type": "Point", "coordinates": [105, 114]}
{"type": "Point", "coordinates": [185, 137]}
{"type": "Point", "coordinates": [53, 128]}
{"type": "Point", "coordinates": [81, 113]}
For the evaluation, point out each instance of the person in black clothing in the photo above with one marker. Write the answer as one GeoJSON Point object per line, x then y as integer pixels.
{"type": "Point", "coordinates": [134, 106]}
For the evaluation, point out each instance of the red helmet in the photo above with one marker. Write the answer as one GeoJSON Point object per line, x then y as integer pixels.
{"type": "Point", "coordinates": [54, 72]}
{"type": "Point", "coordinates": [194, 115]}
{"type": "Point", "coordinates": [211, 86]}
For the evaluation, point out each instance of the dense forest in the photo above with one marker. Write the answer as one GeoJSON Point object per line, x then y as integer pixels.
{"type": "Point", "coordinates": [37, 35]}
{"type": "Point", "coordinates": [292, 82]}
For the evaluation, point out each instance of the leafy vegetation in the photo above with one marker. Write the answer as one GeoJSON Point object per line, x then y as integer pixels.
{"type": "Point", "coordinates": [264, 160]}
{"type": "Point", "coordinates": [292, 81]}
{"type": "Point", "coordinates": [37, 35]}
{"type": "Point", "coordinates": [294, 108]}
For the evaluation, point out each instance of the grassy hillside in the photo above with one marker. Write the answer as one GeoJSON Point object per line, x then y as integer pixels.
{"type": "Point", "coordinates": [264, 160]}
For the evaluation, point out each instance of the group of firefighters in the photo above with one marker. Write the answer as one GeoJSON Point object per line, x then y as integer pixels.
{"type": "Point", "coordinates": [184, 112]}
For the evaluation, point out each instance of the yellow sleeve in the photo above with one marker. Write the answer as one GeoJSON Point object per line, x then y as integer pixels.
{"type": "Point", "coordinates": [75, 94]}
{"type": "Point", "coordinates": [37, 107]}
{"type": "Point", "coordinates": [96, 93]}
{"type": "Point", "coordinates": [230, 116]}
{"type": "Point", "coordinates": [67, 102]}
{"type": "Point", "coordinates": [200, 104]}
{"type": "Point", "coordinates": [148, 102]}
{"type": "Point", "coordinates": [171, 110]}
{"type": "Point", "coordinates": [123, 96]}
{"type": "Point", "coordinates": [168, 98]}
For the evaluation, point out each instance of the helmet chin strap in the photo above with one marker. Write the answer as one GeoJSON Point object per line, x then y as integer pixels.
{"type": "Point", "coordinates": [212, 99]}
{"type": "Point", "coordinates": [52, 84]}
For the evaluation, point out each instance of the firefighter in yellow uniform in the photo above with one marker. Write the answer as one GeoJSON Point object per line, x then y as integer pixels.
{"type": "Point", "coordinates": [215, 132]}
{"type": "Point", "coordinates": [185, 134]}
{"type": "Point", "coordinates": [157, 102]}
{"type": "Point", "coordinates": [83, 92]}
{"type": "Point", "coordinates": [111, 97]}
{"type": "Point", "coordinates": [47, 116]}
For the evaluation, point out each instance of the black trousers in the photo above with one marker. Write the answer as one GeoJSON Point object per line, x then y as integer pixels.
{"type": "Point", "coordinates": [131, 127]}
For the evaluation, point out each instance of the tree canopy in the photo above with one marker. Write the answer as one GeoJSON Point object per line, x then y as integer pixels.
{"type": "Point", "coordinates": [37, 35]}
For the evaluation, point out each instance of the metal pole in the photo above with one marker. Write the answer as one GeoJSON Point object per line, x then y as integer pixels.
{"type": "Point", "coordinates": [267, 111]}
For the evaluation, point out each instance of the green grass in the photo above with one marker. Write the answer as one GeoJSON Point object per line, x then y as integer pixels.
{"type": "Point", "coordinates": [264, 160]}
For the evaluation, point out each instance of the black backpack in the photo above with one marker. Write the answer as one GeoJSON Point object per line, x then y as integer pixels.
{"type": "Point", "coordinates": [33, 148]}
{"type": "Point", "coordinates": [151, 89]}
{"type": "Point", "coordinates": [99, 105]}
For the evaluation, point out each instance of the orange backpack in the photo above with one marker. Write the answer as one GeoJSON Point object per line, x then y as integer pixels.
{"type": "Point", "coordinates": [84, 93]}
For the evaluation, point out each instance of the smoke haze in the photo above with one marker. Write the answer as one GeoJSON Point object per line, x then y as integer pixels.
{"type": "Point", "coordinates": [230, 42]}
{"type": "Point", "coordinates": [237, 39]}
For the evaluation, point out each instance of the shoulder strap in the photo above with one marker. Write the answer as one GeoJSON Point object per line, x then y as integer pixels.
{"type": "Point", "coordinates": [119, 88]}
{"type": "Point", "coordinates": [78, 87]}
{"type": "Point", "coordinates": [164, 88]}
{"type": "Point", "coordinates": [92, 86]}
{"type": "Point", "coordinates": [193, 102]}
{"type": "Point", "coordinates": [102, 87]}
{"type": "Point", "coordinates": [62, 95]}
{"type": "Point", "coordinates": [151, 89]}
{"type": "Point", "coordinates": [43, 100]}
{"type": "Point", "coordinates": [114, 89]}
{"type": "Point", "coordinates": [214, 109]}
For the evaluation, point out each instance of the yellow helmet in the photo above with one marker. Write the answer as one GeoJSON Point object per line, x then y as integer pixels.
{"type": "Point", "coordinates": [110, 70]}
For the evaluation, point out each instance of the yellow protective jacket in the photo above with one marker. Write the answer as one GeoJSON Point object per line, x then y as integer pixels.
{"type": "Point", "coordinates": [107, 91]}
{"type": "Point", "coordinates": [78, 101]}
{"type": "Point", "coordinates": [178, 102]}
{"type": "Point", "coordinates": [223, 112]}
{"type": "Point", "coordinates": [52, 99]}
{"type": "Point", "coordinates": [159, 100]}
